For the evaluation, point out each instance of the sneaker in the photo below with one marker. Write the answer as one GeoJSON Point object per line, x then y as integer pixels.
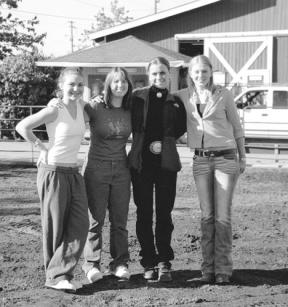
{"type": "Point", "coordinates": [121, 272]}
{"type": "Point", "coordinates": [150, 273]}
{"type": "Point", "coordinates": [94, 275]}
{"type": "Point", "coordinates": [208, 278]}
{"type": "Point", "coordinates": [222, 279]}
{"type": "Point", "coordinates": [63, 285]}
{"type": "Point", "coordinates": [164, 273]}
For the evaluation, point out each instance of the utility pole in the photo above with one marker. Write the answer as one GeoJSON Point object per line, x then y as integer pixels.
{"type": "Point", "coordinates": [155, 6]}
{"type": "Point", "coordinates": [72, 35]}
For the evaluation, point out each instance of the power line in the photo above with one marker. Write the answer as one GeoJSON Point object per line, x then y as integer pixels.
{"type": "Point", "coordinates": [89, 4]}
{"type": "Point", "coordinates": [49, 15]}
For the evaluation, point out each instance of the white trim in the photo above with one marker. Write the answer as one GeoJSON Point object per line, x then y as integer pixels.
{"type": "Point", "coordinates": [210, 46]}
{"type": "Point", "coordinates": [151, 18]}
{"type": "Point", "coordinates": [189, 36]}
{"type": "Point", "coordinates": [256, 72]}
{"type": "Point", "coordinates": [237, 39]}
{"type": "Point", "coordinates": [75, 64]}
{"type": "Point", "coordinates": [267, 44]}
{"type": "Point", "coordinates": [251, 60]}
{"type": "Point", "coordinates": [270, 57]}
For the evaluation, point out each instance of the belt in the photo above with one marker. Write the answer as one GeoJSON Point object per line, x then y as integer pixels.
{"type": "Point", "coordinates": [213, 153]}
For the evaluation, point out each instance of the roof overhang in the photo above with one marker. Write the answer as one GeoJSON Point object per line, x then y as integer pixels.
{"type": "Point", "coordinates": [191, 36]}
{"type": "Point", "coordinates": [73, 64]}
{"type": "Point", "coordinates": [151, 18]}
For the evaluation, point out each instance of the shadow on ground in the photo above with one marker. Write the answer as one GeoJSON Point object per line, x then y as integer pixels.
{"type": "Point", "coordinates": [189, 279]}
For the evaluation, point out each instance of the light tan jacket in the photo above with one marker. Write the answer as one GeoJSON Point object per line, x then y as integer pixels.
{"type": "Point", "coordinates": [220, 124]}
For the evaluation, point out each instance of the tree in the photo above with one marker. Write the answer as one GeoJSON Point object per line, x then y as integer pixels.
{"type": "Point", "coordinates": [16, 34]}
{"type": "Point", "coordinates": [118, 15]}
{"type": "Point", "coordinates": [22, 83]}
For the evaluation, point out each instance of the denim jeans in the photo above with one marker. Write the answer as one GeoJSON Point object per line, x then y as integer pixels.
{"type": "Point", "coordinates": [108, 186]}
{"type": "Point", "coordinates": [164, 183]}
{"type": "Point", "coordinates": [215, 179]}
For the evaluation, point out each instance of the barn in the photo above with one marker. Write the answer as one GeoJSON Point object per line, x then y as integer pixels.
{"type": "Point", "coordinates": [246, 40]}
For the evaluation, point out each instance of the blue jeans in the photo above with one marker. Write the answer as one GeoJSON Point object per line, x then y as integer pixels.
{"type": "Point", "coordinates": [215, 179]}
{"type": "Point", "coordinates": [108, 187]}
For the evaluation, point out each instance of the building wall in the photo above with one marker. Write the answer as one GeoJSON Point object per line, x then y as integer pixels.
{"type": "Point", "coordinates": [280, 64]}
{"type": "Point", "coordinates": [137, 75]}
{"type": "Point", "coordinates": [224, 16]}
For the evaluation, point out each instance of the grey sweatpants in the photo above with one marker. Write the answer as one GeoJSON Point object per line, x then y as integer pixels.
{"type": "Point", "coordinates": [64, 214]}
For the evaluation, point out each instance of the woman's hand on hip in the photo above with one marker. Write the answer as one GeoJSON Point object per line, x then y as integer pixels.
{"type": "Point", "coordinates": [43, 157]}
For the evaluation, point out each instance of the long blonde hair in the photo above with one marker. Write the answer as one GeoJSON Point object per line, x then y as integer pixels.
{"type": "Point", "coordinates": [203, 59]}
{"type": "Point", "coordinates": [63, 73]}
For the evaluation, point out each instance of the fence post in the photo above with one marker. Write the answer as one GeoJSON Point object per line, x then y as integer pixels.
{"type": "Point", "coordinates": [276, 153]}
{"type": "Point", "coordinates": [32, 145]}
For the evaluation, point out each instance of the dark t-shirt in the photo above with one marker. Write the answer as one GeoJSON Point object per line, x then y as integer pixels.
{"type": "Point", "coordinates": [110, 129]}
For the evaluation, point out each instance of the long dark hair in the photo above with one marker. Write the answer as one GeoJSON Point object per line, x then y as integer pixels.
{"type": "Point", "coordinates": [126, 103]}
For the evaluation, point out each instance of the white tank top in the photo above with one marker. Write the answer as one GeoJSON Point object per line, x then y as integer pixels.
{"type": "Point", "coordinates": [65, 135]}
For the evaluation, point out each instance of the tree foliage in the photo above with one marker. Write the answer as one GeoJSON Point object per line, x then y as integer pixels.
{"type": "Point", "coordinates": [16, 34]}
{"type": "Point", "coordinates": [23, 83]}
{"type": "Point", "coordinates": [118, 15]}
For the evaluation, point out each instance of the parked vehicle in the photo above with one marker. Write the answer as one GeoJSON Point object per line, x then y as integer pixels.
{"type": "Point", "coordinates": [264, 111]}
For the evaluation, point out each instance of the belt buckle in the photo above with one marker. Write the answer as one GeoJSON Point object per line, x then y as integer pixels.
{"type": "Point", "coordinates": [205, 153]}
{"type": "Point", "coordinates": [156, 147]}
{"type": "Point", "coordinates": [208, 153]}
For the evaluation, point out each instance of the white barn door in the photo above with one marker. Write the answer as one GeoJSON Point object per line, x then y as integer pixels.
{"type": "Point", "coordinates": [243, 60]}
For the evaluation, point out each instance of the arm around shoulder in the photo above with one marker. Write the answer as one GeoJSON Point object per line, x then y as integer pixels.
{"type": "Point", "coordinates": [84, 105]}
{"type": "Point", "coordinates": [181, 118]}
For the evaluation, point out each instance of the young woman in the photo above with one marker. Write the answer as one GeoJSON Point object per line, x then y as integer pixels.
{"type": "Point", "coordinates": [61, 188]}
{"type": "Point", "coordinates": [217, 139]}
{"type": "Point", "coordinates": [107, 175]}
{"type": "Point", "coordinates": [158, 119]}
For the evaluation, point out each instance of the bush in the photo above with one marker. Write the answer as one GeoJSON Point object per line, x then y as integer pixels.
{"type": "Point", "coordinates": [22, 83]}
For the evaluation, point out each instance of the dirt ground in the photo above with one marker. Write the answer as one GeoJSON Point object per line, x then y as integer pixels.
{"type": "Point", "coordinates": [260, 233]}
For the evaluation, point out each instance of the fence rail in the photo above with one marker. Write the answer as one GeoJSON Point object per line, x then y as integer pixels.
{"type": "Point", "coordinates": [276, 148]}
{"type": "Point", "coordinates": [8, 119]}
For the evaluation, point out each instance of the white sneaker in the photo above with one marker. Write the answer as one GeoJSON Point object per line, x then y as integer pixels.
{"type": "Point", "coordinates": [94, 275]}
{"type": "Point", "coordinates": [121, 272]}
{"type": "Point", "coordinates": [64, 285]}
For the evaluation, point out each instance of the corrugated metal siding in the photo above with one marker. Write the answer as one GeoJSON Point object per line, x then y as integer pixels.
{"type": "Point", "coordinates": [236, 15]}
{"type": "Point", "coordinates": [238, 53]}
{"type": "Point", "coordinates": [224, 16]}
{"type": "Point", "coordinates": [280, 65]}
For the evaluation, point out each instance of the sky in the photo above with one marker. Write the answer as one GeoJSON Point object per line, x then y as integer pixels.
{"type": "Point", "coordinates": [55, 18]}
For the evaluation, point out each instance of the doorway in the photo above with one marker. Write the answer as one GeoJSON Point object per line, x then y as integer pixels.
{"type": "Point", "coordinates": [191, 47]}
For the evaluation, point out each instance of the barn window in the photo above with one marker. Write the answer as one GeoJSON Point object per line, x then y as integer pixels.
{"type": "Point", "coordinates": [191, 47]}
